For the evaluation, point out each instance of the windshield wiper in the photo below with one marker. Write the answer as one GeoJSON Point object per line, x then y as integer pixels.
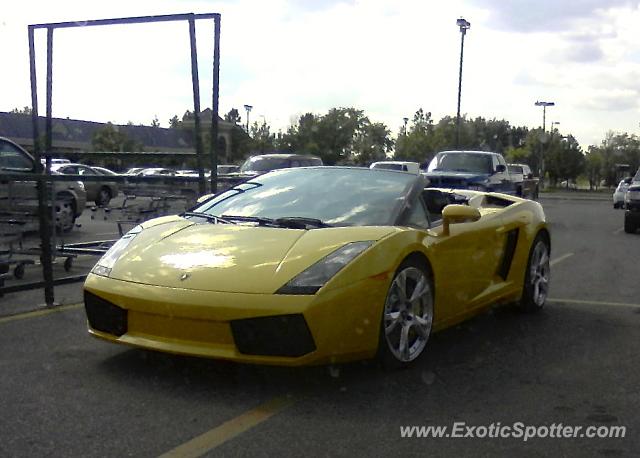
{"type": "Point", "coordinates": [211, 218]}
{"type": "Point", "coordinates": [300, 222]}
{"type": "Point", "coordinates": [291, 222]}
{"type": "Point", "coordinates": [262, 221]}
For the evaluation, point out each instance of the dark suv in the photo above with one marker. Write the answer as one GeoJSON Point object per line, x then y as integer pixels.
{"type": "Point", "coordinates": [632, 205]}
{"type": "Point", "coordinates": [18, 197]}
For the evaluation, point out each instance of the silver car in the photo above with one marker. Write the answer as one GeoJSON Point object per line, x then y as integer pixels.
{"type": "Point", "coordinates": [100, 192]}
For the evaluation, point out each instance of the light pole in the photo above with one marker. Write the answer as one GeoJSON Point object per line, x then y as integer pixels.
{"type": "Point", "coordinates": [248, 109]}
{"type": "Point", "coordinates": [544, 106]}
{"type": "Point", "coordinates": [406, 120]}
{"type": "Point", "coordinates": [464, 26]}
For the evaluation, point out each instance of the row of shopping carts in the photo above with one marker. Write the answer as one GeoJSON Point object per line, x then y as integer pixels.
{"type": "Point", "coordinates": [19, 245]}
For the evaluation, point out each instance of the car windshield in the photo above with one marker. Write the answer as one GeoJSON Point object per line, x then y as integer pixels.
{"type": "Point", "coordinates": [461, 162]}
{"type": "Point", "coordinates": [335, 196]}
{"type": "Point", "coordinates": [265, 164]}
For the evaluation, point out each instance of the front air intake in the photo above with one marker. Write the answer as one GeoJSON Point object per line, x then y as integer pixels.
{"type": "Point", "coordinates": [104, 316]}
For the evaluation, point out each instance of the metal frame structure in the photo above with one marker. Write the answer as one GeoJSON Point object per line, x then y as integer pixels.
{"type": "Point", "coordinates": [44, 216]}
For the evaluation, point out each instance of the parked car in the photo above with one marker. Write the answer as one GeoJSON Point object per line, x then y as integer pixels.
{"type": "Point", "coordinates": [476, 170]}
{"type": "Point", "coordinates": [225, 169]}
{"type": "Point", "coordinates": [632, 208]}
{"type": "Point", "coordinates": [133, 170]}
{"type": "Point", "coordinates": [412, 167]}
{"type": "Point", "coordinates": [21, 196]}
{"type": "Point", "coordinates": [156, 171]}
{"type": "Point", "coordinates": [527, 185]}
{"type": "Point", "coordinates": [364, 271]}
{"type": "Point", "coordinates": [104, 170]}
{"type": "Point", "coordinates": [100, 192]}
{"type": "Point", "coordinates": [621, 190]}
{"type": "Point", "coordinates": [263, 163]}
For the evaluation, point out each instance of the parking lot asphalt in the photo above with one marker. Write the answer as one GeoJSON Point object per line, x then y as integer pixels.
{"type": "Point", "coordinates": [576, 363]}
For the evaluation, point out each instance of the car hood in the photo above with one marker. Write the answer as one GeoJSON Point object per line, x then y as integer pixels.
{"type": "Point", "coordinates": [230, 258]}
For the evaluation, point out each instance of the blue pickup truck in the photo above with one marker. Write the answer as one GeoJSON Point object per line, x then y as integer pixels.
{"type": "Point", "coordinates": [476, 170]}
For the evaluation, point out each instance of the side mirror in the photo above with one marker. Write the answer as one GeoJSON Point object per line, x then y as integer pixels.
{"type": "Point", "coordinates": [500, 168]}
{"type": "Point", "coordinates": [455, 214]}
{"type": "Point", "coordinates": [203, 198]}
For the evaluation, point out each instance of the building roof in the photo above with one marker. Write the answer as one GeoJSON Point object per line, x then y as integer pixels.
{"type": "Point", "coordinates": [77, 133]}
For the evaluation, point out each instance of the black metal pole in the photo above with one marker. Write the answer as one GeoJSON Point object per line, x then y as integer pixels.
{"type": "Point", "coordinates": [463, 32]}
{"type": "Point", "coordinates": [48, 130]}
{"type": "Point", "coordinates": [213, 147]}
{"type": "Point", "coordinates": [196, 104]}
{"type": "Point", "coordinates": [43, 211]}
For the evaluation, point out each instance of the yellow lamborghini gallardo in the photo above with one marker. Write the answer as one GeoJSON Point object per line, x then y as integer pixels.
{"type": "Point", "coordinates": [319, 265]}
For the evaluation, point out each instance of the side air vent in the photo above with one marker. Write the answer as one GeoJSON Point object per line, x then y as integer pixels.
{"type": "Point", "coordinates": [509, 250]}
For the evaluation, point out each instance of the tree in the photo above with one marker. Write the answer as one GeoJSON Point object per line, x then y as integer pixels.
{"type": "Point", "coordinates": [372, 143]}
{"type": "Point", "coordinates": [233, 116]}
{"type": "Point", "coordinates": [25, 111]}
{"type": "Point", "coordinates": [564, 159]}
{"type": "Point", "coordinates": [110, 138]}
{"type": "Point", "coordinates": [174, 122]}
{"type": "Point", "coordinates": [155, 122]}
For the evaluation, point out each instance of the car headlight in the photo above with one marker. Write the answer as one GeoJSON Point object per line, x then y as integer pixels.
{"type": "Point", "coordinates": [106, 262]}
{"type": "Point", "coordinates": [315, 277]}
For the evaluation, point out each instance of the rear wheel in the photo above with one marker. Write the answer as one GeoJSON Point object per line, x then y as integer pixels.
{"type": "Point", "coordinates": [537, 275]}
{"type": "Point", "coordinates": [407, 316]}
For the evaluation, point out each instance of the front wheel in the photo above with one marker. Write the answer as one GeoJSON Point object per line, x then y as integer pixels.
{"type": "Point", "coordinates": [629, 227]}
{"type": "Point", "coordinates": [537, 275]}
{"type": "Point", "coordinates": [407, 316]}
{"type": "Point", "coordinates": [65, 213]}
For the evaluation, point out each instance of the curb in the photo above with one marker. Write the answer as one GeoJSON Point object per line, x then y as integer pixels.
{"type": "Point", "coordinates": [570, 197]}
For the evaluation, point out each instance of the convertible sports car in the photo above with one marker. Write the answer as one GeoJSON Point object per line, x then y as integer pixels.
{"type": "Point", "coordinates": [319, 265]}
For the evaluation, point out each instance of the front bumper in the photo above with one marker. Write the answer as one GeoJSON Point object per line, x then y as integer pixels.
{"type": "Point", "coordinates": [341, 324]}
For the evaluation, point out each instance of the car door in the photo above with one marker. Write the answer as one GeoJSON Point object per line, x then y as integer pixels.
{"type": "Point", "coordinates": [16, 195]}
{"type": "Point", "coordinates": [468, 258]}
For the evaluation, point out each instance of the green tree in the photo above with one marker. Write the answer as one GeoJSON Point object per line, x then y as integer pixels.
{"type": "Point", "coordinates": [372, 143]}
{"type": "Point", "coordinates": [233, 116]}
{"type": "Point", "coordinates": [155, 122]}
{"type": "Point", "coordinates": [564, 159]}
{"type": "Point", "coordinates": [110, 138]}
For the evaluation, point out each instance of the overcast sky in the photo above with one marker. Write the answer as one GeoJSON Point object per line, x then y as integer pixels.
{"type": "Point", "coordinates": [387, 57]}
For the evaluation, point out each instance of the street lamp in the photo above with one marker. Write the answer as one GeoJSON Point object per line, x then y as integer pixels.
{"type": "Point", "coordinates": [544, 106]}
{"type": "Point", "coordinates": [406, 120]}
{"type": "Point", "coordinates": [464, 26]}
{"type": "Point", "coordinates": [554, 123]}
{"type": "Point", "coordinates": [248, 109]}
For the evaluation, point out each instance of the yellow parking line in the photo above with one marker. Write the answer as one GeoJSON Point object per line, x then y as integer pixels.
{"type": "Point", "coordinates": [206, 442]}
{"type": "Point", "coordinates": [583, 302]}
{"type": "Point", "coordinates": [38, 313]}
{"type": "Point", "coordinates": [560, 259]}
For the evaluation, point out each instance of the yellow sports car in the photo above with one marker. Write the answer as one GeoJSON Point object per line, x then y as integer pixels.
{"type": "Point", "coordinates": [319, 265]}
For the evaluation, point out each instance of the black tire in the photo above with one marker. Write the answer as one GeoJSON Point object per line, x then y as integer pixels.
{"type": "Point", "coordinates": [411, 325]}
{"type": "Point", "coordinates": [18, 271]}
{"type": "Point", "coordinates": [68, 264]}
{"type": "Point", "coordinates": [629, 227]}
{"type": "Point", "coordinates": [104, 197]}
{"type": "Point", "coordinates": [536, 284]}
